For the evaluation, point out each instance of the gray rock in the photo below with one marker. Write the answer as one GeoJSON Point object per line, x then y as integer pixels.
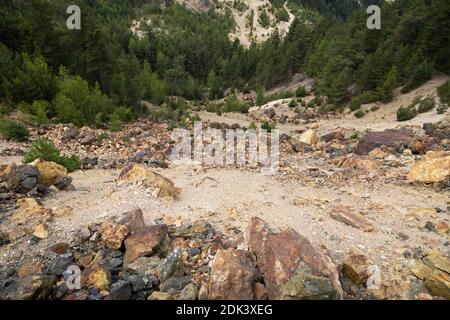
{"type": "Point", "coordinates": [120, 290]}
{"type": "Point", "coordinates": [175, 284]}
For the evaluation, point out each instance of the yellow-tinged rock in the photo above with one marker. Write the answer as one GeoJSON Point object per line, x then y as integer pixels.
{"type": "Point", "coordinates": [439, 284]}
{"type": "Point", "coordinates": [96, 276]}
{"type": "Point", "coordinates": [41, 231]}
{"type": "Point", "coordinates": [158, 295]}
{"type": "Point", "coordinates": [29, 207]}
{"type": "Point", "coordinates": [310, 137]}
{"type": "Point", "coordinates": [436, 260]}
{"type": "Point", "coordinates": [49, 170]}
{"type": "Point", "coordinates": [135, 172]}
{"type": "Point", "coordinates": [421, 270]}
{"type": "Point", "coordinates": [62, 212]}
{"type": "Point", "coordinates": [430, 170]}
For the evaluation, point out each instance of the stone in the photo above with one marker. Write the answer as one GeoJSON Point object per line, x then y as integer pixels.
{"type": "Point", "coordinates": [87, 136]}
{"type": "Point", "coordinates": [35, 287]}
{"type": "Point", "coordinates": [171, 266]}
{"type": "Point", "coordinates": [30, 267]}
{"type": "Point", "coordinates": [356, 268]}
{"type": "Point", "coordinates": [260, 291]}
{"type": "Point", "coordinates": [306, 286]}
{"type": "Point", "coordinates": [30, 208]}
{"type": "Point", "coordinates": [158, 295]}
{"type": "Point", "coordinates": [133, 220]}
{"type": "Point", "coordinates": [430, 170]}
{"type": "Point", "coordinates": [233, 276]}
{"type": "Point", "coordinates": [5, 171]}
{"type": "Point", "coordinates": [439, 283]}
{"type": "Point", "coordinates": [174, 285]}
{"type": "Point", "coordinates": [150, 179]}
{"type": "Point", "coordinates": [140, 282]}
{"type": "Point", "coordinates": [278, 256]}
{"type": "Point", "coordinates": [189, 292]}
{"type": "Point", "coordinates": [348, 216]}
{"type": "Point", "coordinates": [436, 260]}
{"type": "Point", "coordinates": [146, 241]}
{"type": "Point", "coordinates": [397, 139]}
{"type": "Point", "coordinates": [95, 276]}
{"type": "Point", "coordinates": [145, 265]}
{"type": "Point", "coordinates": [22, 179]}
{"type": "Point", "coordinates": [113, 234]}
{"type": "Point", "coordinates": [49, 171]}
{"type": "Point", "coordinates": [335, 135]}
{"type": "Point", "coordinates": [64, 183]}
{"type": "Point", "coordinates": [41, 231]}
{"type": "Point", "coordinates": [120, 290]}
{"type": "Point", "coordinates": [59, 265]}
{"type": "Point", "coordinates": [309, 137]}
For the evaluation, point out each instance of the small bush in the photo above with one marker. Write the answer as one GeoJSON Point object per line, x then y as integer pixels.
{"type": "Point", "coordinates": [293, 103]}
{"type": "Point", "coordinates": [407, 113]}
{"type": "Point", "coordinates": [233, 104]}
{"type": "Point", "coordinates": [44, 150]}
{"type": "Point", "coordinates": [269, 126]}
{"type": "Point", "coordinates": [427, 104]}
{"type": "Point", "coordinates": [421, 74]}
{"type": "Point", "coordinates": [444, 92]}
{"type": "Point", "coordinates": [442, 108]}
{"type": "Point", "coordinates": [13, 130]}
{"type": "Point", "coordinates": [252, 125]}
{"type": "Point", "coordinates": [301, 92]}
{"type": "Point", "coordinates": [359, 114]}
{"type": "Point", "coordinates": [311, 104]}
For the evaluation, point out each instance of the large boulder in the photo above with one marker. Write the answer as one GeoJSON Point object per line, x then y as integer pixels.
{"type": "Point", "coordinates": [51, 173]}
{"type": "Point", "coordinates": [281, 256]}
{"type": "Point", "coordinates": [150, 179]}
{"type": "Point", "coordinates": [397, 139]}
{"type": "Point", "coordinates": [309, 137]}
{"type": "Point", "coordinates": [431, 169]}
{"type": "Point", "coordinates": [96, 276]}
{"type": "Point", "coordinates": [113, 234]}
{"type": "Point", "coordinates": [22, 179]}
{"type": "Point", "coordinates": [144, 242]}
{"type": "Point", "coordinates": [233, 276]}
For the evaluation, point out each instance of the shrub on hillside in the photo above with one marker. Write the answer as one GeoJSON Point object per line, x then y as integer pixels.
{"type": "Point", "coordinates": [13, 130]}
{"type": "Point", "coordinates": [444, 92]}
{"type": "Point", "coordinates": [300, 92]}
{"type": "Point", "coordinates": [44, 150]}
{"type": "Point", "coordinates": [426, 104]}
{"type": "Point", "coordinates": [420, 75]}
{"type": "Point", "coordinates": [359, 114]}
{"type": "Point", "coordinates": [406, 113]}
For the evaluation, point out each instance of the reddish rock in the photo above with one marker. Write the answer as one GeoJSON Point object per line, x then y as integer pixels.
{"type": "Point", "coordinates": [144, 242]}
{"type": "Point", "coordinates": [391, 138]}
{"type": "Point", "coordinates": [356, 268]}
{"type": "Point", "coordinates": [279, 256]}
{"type": "Point", "coordinates": [133, 220]}
{"type": "Point", "coordinates": [260, 292]}
{"type": "Point", "coordinates": [335, 135]}
{"type": "Point", "coordinates": [348, 216]}
{"type": "Point", "coordinates": [59, 248]}
{"type": "Point", "coordinates": [232, 276]}
{"type": "Point", "coordinates": [113, 234]}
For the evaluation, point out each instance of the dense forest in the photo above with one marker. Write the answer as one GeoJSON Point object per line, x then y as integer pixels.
{"type": "Point", "coordinates": [98, 75]}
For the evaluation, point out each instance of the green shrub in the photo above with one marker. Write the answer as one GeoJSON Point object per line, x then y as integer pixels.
{"type": "Point", "coordinates": [442, 108]}
{"type": "Point", "coordinates": [233, 104]}
{"type": "Point", "coordinates": [427, 104]}
{"type": "Point", "coordinates": [252, 125]}
{"type": "Point", "coordinates": [407, 113]}
{"type": "Point", "coordinates": [115, 123]}
{"type": "Point", "coordinates": [214, 108]}
{"type": "Point", "coordinates": [300, 92]}
{"type": "Point", "coordinates": [444, 92]}
{"type": "Point", "coordinates": [311, 104]}
{"type": "Point", "coordinates": [13, 130]}
{"type": "Point", "coordinates": [359, 114]}
{"type": "Point", "coordinates": [293, 103]}
{"type": "Point", "coordinates": [269, 126]}
{"type": "Point", "coordinates": [363, 98]}
{"type": "Point", "coordinates": [44, 150]}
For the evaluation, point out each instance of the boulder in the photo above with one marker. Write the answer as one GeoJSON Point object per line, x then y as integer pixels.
{"type": "Point", "coordinates": [233, 276]}
{"type": "Point", "coordinates": [309, 137]}
{"type": "Point", "coordinates": [41, 231]}
{"type": "Point", "coordinates": [113, 234]}
{"type": "Point", "coordinates": [35, 287]}
{"type": "Point", "coordinates": [356, 268]}
{"type": "Point", "coordinates": [22, 179]}
{"type": "Point", "coordinates": [146, 241]}
{"type": "Point", "coordinates": [431, 170]}
{"type": "Point", "coordinates": [50, 172]}
{"type": "Point", "coordinates": [346, 215]}
{"type": "Point", "coordinates": [279, 255]}
{"type": "Point", "coordinates": [397, 139]}
{"type": "Point", "coordinates": [189, 292]}
{"type": "Point", "coordinates": [158, 295]}
{"type": "Point", "coordinates": [5, 171]}
{"type": "Point", "coordinates": [335, 135]}
{"type": "Point", "coordinates": [150, 179]}
{"type": "Point", "coordinates": [95, 276]}
{"type": "Point", "coordinates": [120, 290]}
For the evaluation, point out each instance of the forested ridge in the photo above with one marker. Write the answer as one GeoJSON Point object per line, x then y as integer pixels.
{"type": "Point", "coordinates": [98, 75]}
